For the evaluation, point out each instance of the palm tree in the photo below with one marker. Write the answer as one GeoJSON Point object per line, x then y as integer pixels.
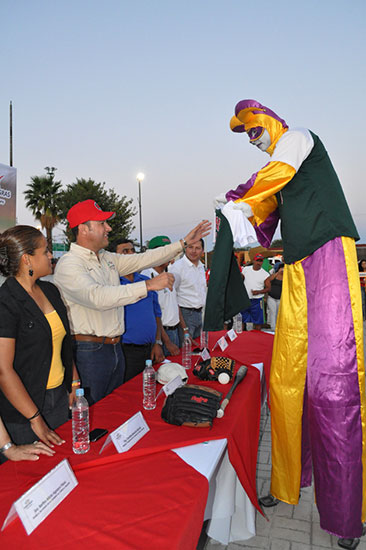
{"type": "Point", "coordinates": [42, 199]}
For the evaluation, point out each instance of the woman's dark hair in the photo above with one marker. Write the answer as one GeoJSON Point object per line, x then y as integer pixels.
{"type": "Point", "coordinates": [14, 242]}
{"type": "Point", "coordinates": [360, 264]}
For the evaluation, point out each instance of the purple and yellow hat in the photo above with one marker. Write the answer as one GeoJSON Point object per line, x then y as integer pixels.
{"type": "Point", "coordinates": [253, 118]}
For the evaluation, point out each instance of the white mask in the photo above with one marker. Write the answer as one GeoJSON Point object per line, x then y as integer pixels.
{"type": "Point", "coordinates": [263, 142]}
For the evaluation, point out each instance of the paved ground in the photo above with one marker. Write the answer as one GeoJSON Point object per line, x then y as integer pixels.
{"type": "Point", "coordinates": [289, 527]}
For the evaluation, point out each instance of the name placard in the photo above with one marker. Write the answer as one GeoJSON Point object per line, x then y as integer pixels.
{"type": "Point", "coordinates": [222, 343]}
{"type": "Point", "coordinates": [171, 386]}
{"type": "Point", "coordinates": [128, 433]}
{"type": "Point", "coordinates": [232, 334]}
{"type": "Point", "coordinates": [41, 499]}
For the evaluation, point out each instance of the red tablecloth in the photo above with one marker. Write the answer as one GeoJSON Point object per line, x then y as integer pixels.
{"type": "Point", "coordinates": [128, 505]}
{"type": "Point", "coordinates": [103, 479]}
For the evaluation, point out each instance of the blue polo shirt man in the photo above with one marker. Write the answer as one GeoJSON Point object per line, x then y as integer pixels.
{"type": "Point", "coordinates": [142, 337]}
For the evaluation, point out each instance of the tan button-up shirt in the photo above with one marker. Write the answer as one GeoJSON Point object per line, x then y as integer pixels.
{"type": "Point", "coordinates": [91, 288]}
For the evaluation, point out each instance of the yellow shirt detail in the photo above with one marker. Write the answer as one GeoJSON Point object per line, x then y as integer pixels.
{"type": "Point", "coordinates": [57, 370]}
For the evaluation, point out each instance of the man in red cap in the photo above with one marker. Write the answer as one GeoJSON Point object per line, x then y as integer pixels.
{"type": "Point", "coordinates": [89, 280]}
{"type": "Point", "coordinates": [257, 284]}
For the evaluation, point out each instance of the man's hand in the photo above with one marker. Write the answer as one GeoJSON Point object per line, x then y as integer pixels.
{"type": "Point", "coordinates": [164, 280]}
{"type": "Point", "coordinates": [157, 355]}
{"type": "Point", "coordinates": [172, 348]}
{"type": "Point", "coordinates": [200, 231]}
{"type": "Point", "coordinates": [72, 396]}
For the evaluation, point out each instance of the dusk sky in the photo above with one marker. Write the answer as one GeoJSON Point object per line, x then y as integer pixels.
{"type": "Point", "coordinates": [108, 89]}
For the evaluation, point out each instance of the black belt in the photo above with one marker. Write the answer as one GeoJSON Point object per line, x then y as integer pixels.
{"type": "Point", "coordinates": [192, 308]}
{"type": "Point", "coordinates": [137, 345]}
{"type": "Point", "coordinates": [171, 328]}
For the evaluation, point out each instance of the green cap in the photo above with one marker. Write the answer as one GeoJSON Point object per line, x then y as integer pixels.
{"type": "Point", "coordinates": [160, 240]}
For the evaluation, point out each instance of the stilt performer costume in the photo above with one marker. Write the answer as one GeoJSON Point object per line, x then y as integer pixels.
{"type": "Point", "coordinates": [317, 385]}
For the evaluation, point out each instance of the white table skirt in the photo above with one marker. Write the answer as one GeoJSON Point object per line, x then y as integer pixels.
{"type": "Point", "coordinates": [231, 514]}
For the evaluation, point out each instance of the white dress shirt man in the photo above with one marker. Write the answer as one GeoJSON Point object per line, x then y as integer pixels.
{"type": "Point", "coordinates": [190, 284]}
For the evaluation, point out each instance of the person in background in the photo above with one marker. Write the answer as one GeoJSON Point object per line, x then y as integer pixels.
{"type": "Point", "coordinates": [88, 277]}
{"type": "Point", "coordinates": [10, 451]}
{"type": "Point", "coordinates": [274, 296]}
{"type": "Point", "coordinates": [142, 337]}
{"type": "Point", "coordinates": [189, 273]}
{"type": "Point", "coordinates": [37, 375]}
{"type": "Point", "coordinates": [168, 303]}
{"type": "Point", "coordinates": [362, 269]}
{"type": "Point", "coordinates": [125, 246]}
{"type": "Point", "coordinates": [257, 284]}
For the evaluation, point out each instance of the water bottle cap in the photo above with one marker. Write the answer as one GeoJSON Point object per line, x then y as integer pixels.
{"type": "Point", "coordinates": [148, 363]}
{"type": "Point", "coordinates": [79, 392]}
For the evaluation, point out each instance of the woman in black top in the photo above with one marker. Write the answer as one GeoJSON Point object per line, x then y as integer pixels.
{"type": "Point", "coordinates": [28, 409]}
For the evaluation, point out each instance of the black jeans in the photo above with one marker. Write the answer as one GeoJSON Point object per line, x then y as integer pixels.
{"type": "Point", "coordinates": [135, 357]}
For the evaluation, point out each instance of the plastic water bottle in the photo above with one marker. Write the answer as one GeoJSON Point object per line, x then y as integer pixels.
{"type": "Point", "coordinates": [80, 424]}
{"type": "Point", "coordinates": [149, 386]}
{"type": "Point", "coordinates": [204, 339]}
{"type": "Point", "coordinates": [186, 352]}
{"type": "Point", "coordinates": [237, 324]}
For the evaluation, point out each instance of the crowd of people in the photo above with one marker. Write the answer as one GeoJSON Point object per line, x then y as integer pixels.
{"type": "Point", "coordinates": [55, 337]}
{"type": "Point", "coordinates": [93, 319]}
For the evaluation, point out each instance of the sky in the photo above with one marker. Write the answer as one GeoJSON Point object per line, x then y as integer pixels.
{"type": "Point", "coordinates": [109, 89]}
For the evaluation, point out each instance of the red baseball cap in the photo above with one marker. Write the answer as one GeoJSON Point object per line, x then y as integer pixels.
{"type": "Point", "coordinates": [86, 211]}
{"type": "Point", "coordinates": [258, 257]}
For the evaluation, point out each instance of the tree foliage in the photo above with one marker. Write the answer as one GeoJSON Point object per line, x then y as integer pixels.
{"type": "Point", "coordinates": [82, 189]}
{"type": "Point", "coordinates": [42, 199]}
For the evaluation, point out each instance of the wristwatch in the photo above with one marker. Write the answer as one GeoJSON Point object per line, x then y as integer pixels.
{"type": "Point", "coordinates": [6, 447]}
{"type": "Point", "coordinates": [159, 342]}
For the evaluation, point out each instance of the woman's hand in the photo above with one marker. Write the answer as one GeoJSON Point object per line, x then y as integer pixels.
{"type": "Point", "coordinates": [48, 436]}
{"type": "Point", "coordinates": [28, 452]}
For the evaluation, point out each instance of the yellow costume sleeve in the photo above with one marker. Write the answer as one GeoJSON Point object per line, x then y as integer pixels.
{"type": "Point", "coordinates": [261, 195]}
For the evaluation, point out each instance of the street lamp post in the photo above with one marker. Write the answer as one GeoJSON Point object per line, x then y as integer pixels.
{"type": "Point", "coordinates": [140, 177]}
